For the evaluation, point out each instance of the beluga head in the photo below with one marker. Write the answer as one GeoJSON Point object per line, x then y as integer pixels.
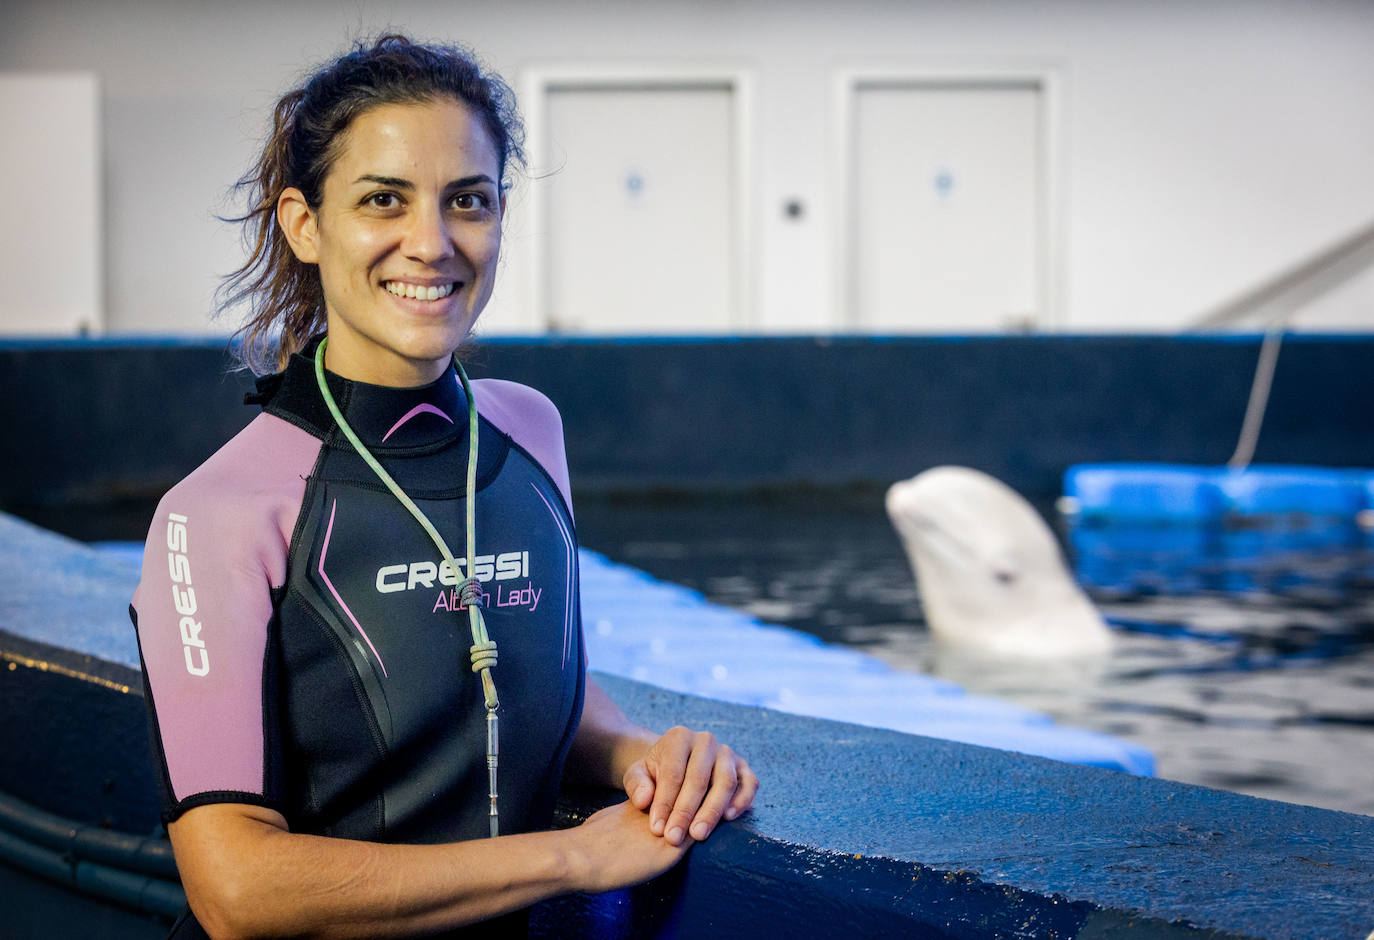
{"type": "Point", "coordinates": [991, 576]}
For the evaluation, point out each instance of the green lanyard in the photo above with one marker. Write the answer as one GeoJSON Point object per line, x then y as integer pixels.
{"type": "Point", "coordinates": [483, 649]}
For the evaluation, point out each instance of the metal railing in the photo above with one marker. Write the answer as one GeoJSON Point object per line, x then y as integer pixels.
{"type": "Point", "coordinates": [1274, 301]}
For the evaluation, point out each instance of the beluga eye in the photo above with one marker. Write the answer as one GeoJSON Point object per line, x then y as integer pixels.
{"type": "Point", "coordinates": [1004, 576]}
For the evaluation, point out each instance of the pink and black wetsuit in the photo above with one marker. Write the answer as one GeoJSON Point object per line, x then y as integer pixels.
{"type": "Point", "coordinates": [298, 631]}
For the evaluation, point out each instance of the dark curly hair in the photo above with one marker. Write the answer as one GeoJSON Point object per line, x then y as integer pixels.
{"type": "Point", "coordinates": [285, 296]}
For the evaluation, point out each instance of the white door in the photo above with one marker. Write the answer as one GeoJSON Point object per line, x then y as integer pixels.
{"type": "Point", "coordinates": [947, 214]}
{"type": "Point", "coordinates": [640, 208]}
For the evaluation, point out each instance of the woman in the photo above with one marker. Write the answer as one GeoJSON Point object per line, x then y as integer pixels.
{"type": "Point", "coordinates": [321, 669]}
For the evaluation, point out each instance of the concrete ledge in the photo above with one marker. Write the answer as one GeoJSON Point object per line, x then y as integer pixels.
{"type": "Point", "coordinates": [857, 831]}
{"type": "Point", "coordinates": [970, 841]}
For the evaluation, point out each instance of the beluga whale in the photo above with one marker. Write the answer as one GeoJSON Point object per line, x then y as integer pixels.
{"type": "Point", "coordinates": [991, 576]}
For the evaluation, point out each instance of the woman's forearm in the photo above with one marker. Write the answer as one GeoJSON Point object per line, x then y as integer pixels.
{"type": "Point", "coordinates": [606, 743]}
{"type": "Point", "coordinates": [247, 876]}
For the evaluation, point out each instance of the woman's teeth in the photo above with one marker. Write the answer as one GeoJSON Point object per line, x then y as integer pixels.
{"type": "Point", "coordinates": [417, 291]}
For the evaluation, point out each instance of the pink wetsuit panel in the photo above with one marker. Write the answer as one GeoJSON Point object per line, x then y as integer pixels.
{"type": "Point", "coordinates": [532, 421]}
{"type": "Point", "coordinates": [216, 549]}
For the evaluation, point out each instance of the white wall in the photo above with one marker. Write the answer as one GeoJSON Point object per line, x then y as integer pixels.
{"type": "Point", "coordinates": [1203, 146]}
{"type": "Point", "coordinates": [50, 235]}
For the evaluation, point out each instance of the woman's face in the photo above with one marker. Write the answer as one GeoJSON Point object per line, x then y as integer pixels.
{"type": "Point", "coordinates": [406, 238]}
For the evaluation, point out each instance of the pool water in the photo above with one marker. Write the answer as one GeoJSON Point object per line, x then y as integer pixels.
{"type": "Point", "coordinates": [1266, 694]}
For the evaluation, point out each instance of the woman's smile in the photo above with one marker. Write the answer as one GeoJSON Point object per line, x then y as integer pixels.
{"type": "Point", "coordinates": [421, 291]}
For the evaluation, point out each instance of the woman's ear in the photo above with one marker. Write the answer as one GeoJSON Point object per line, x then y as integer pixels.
{"type": "Point", "coordinates": [299, 224]}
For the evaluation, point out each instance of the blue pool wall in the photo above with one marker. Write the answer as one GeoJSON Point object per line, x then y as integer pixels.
{"type": "Point", "coordinates": [856, 831]}
{"type": "Point", "coordinates": [129, 417]}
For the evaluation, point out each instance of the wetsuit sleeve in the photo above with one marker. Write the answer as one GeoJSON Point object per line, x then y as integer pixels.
{"type": "Point", "coordinates": [216, 554]}
{"type": "Point", "coordinates": [532, 421]}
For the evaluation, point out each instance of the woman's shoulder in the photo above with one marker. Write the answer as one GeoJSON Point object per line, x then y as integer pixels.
{"type": "Point", "coordinates": [511, 399]}
{"type": "Point", "coordinates": [267, 446]}
{"type": "Point", "coordinates": [523, 413]}
{"type": "Point", "coordinates": [530, 419]}
{"type": "Point", "coordinates": [267, 460]}
{"type": "Point", "coordinates": [235, 512]}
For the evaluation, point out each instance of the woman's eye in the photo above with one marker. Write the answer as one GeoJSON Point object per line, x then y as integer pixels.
{"type": "Point", "coordinates": [382, 200]}
{"type": "Point", "coordinates": [469, 201]}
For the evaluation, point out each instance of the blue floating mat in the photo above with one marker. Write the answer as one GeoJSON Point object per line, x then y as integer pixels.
{"type": "Point", "coordinates": [1157, 493]}
{"type": "Point", "coordinates": [1175, 528]}
{"type": "Point", "coordinates": [635, 626]}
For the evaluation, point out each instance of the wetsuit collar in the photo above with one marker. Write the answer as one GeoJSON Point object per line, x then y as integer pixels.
{"type": "Point", "coordinates": [382, 416]}
{"type": "Point", "coordinates": [402, 417]}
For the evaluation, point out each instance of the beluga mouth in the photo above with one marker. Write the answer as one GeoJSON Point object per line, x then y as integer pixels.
{"type": "Point", "coordinates": [420, 291]}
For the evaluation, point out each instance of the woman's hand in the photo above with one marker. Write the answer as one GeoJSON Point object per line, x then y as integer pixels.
{"type": "Point", "coordinates": [617, 849]}
{"type": "Point", "coordinates": [689, 781]}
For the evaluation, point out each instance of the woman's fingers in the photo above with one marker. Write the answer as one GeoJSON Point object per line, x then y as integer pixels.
{"type": "Point", "coordinates": [639, 786]}
{"type": "Point", "coordinates": [747, 787]}
{"type": "Point", "coordinates": [724, 784]}
{"type": "Point", "coordinates": [697, 780]}
{"type": "Point", "coordinates": [689, 781]}
{"type": "Point", "coordinates": [666, 763]}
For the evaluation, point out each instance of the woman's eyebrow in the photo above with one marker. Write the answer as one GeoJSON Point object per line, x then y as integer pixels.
{"type": "Point", "coordinates": [395, 182]}
{"type": "Point", "coordinates": [471, 181]}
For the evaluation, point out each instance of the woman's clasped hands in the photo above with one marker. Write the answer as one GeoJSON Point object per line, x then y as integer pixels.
{"type": "Point", "coordinates": [682, 787]}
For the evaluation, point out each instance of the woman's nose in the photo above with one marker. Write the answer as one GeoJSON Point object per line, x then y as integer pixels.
{"type": "Point", "coordinates": [427, 237]}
